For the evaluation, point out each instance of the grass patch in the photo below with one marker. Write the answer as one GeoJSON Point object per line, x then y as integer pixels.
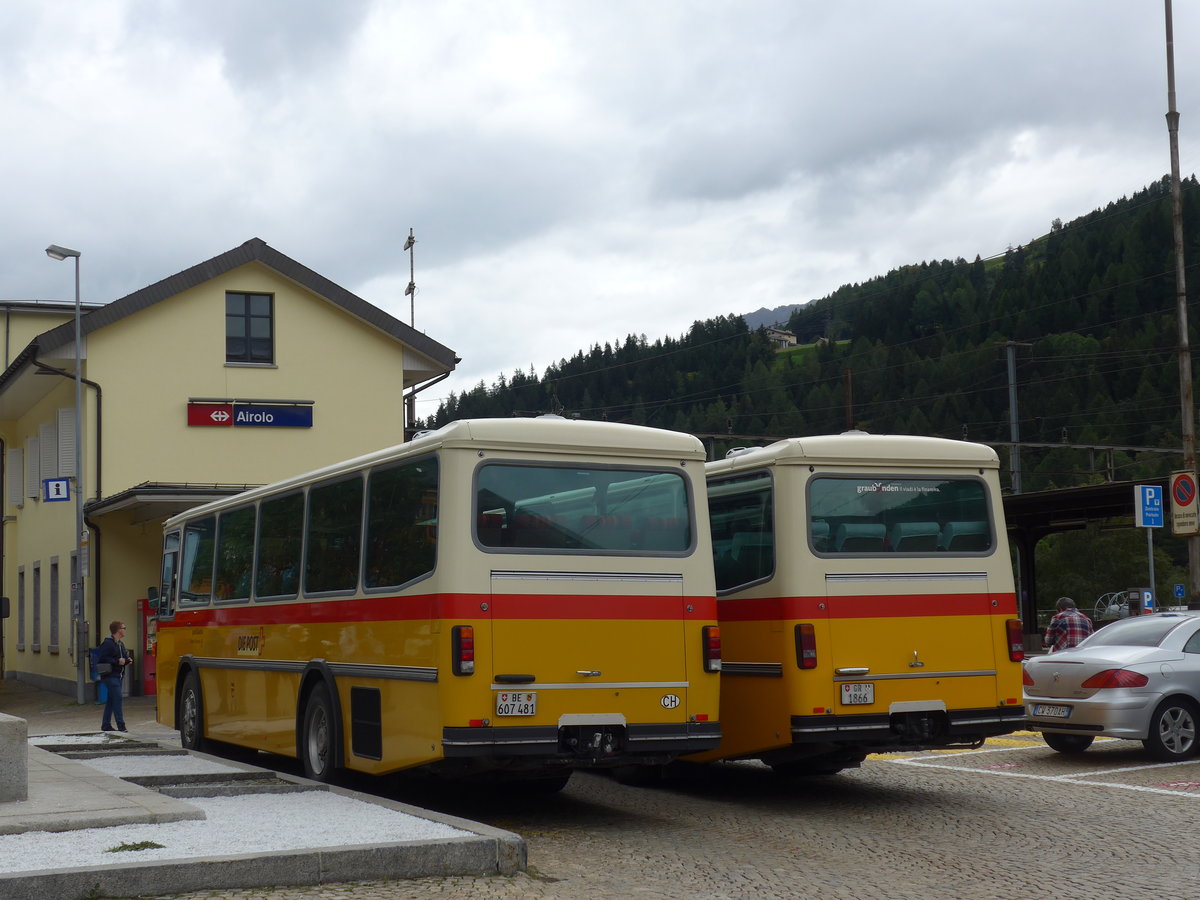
{"type": "Point", "coordinates": [140, 845]}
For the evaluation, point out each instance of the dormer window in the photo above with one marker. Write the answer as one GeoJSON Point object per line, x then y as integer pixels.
{"type": "Point", "coordinates": [249, 328]}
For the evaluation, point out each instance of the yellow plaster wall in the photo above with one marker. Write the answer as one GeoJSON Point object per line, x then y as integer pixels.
{"type": "Point", "coordinates": [151, 363]}
{"type": "Point", "coordinates": [37, 532]}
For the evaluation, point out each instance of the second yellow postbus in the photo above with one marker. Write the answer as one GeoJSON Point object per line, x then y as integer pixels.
{"type": "Point", "coordinates": [866, 600]}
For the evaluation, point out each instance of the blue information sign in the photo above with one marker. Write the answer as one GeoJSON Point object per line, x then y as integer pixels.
{"type": "Point", "coordinates": [264, 416]}
{"type": "Point", "coordinates": [1148, 506]}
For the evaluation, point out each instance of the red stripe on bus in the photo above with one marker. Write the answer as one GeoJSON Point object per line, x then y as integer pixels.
{"type": "Point", "coordinates": [449, 606]}
{"type": "Point", "coordinates": [865, 606]}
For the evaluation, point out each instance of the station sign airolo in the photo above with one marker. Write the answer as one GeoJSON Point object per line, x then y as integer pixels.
{"type": "Point", "coordinates": [252, 415]}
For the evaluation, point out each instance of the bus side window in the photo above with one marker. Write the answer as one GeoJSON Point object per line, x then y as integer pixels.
{"type": "Point", "coordinates": [165, 607]}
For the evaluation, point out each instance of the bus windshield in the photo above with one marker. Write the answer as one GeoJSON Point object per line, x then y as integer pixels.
{"type": "Point", "coordinates": [898, 515]}
{"type": "Point", "coordinates": [531, 507]}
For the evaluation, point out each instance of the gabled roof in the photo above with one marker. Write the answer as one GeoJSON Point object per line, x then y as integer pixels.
{"type": "Point", "coordinates": [254, 250]}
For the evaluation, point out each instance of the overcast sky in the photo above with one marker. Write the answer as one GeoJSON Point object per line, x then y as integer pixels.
{"type": "Point", "coordinates": [574, 171]}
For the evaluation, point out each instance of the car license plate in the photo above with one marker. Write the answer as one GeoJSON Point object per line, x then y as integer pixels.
{"type": "Point", "coordinates": [516, 703]}
{"type": "Point", "coordinates": [1051, 710]}
{"type": "Point", "coordinates": [858, 693]}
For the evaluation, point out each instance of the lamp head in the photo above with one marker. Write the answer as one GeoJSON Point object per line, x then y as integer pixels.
{"type": "Point", "coordinates": [60, 253]}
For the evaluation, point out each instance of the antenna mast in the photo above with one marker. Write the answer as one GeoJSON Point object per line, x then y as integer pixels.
{"type": "Point", "coordinates": [411, 291]}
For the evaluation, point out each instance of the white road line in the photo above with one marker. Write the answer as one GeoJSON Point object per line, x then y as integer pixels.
{"type": "Point", "coordinates": [1077, 778]}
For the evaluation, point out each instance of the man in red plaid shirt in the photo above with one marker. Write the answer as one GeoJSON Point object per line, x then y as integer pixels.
{"type": "Point", "coordinates": [1067, 627]}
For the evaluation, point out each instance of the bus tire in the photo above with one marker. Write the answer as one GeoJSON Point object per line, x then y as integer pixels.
{"type": "Point", "coordinates": [191, 713]}
{"type": "Point", "coordinates": [317, 736]}
{"type": "Point", "coordinates": [1067, 743]}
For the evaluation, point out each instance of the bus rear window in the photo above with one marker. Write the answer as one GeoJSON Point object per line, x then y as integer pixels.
{"type": "Point", "coordinates": [921, 516]}
{"type": "Point", "coordinates": [522, 507]}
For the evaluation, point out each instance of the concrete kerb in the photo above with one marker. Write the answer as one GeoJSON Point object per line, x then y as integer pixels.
{"type": "Point", "coordinates": [484, 851]}
{"type": "Point", "coordinates": [14, 759]}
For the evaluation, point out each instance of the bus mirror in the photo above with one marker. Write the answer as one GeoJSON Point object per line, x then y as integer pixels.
{"type": "Point", "coordinates": [152, 596]}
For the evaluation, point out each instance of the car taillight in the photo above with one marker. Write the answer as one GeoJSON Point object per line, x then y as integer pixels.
{"type": "Point", "coordinates": [1116, 678]}
{"type": "Point", "coordinates": [1016, 640]}
{"type": "Point", "coordinates": [462, 649]}
{"type": "Point", "coordinates": [712, 648]}
{"type": "Point", "coordinates": [1026, 678]}
{"type": "Point", "coordinates": [806, 647]}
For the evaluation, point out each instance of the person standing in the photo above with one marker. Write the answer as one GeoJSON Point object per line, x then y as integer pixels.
{"type": "Point", "coordinates": [117, 659]}
{"type": "Point", "coordinates": [1067, 627]}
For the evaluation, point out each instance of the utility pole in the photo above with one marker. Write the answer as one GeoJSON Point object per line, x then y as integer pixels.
{"type": "Point", "coordinates": [1187, 413]}
{"type": "Point", "coordinates": [1014, 428]}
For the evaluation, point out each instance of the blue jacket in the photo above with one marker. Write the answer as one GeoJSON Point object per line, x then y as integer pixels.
{"type": "Point", "coordinates": [112, 652]}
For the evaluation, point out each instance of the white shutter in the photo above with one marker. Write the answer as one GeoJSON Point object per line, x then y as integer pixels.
{"type": "Point", "coordinates": [48, 450]}
{"type": "Point", "coordinates": [14, 467]}
{"type": "Point", "coordinates": [66, 442]}
{"type": "Point", "coordinates": [33, 474]}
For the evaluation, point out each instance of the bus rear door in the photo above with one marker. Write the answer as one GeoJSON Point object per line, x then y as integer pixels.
{"type": "Point", "coordinates": [898, 650]}
{"type": "Point", "coordinates": [588, 653]}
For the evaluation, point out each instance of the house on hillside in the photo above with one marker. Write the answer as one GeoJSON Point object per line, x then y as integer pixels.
{"type": "Point", "coordinates": [241, 370]}
{"type": "Point", "coordinates": [780, 339]}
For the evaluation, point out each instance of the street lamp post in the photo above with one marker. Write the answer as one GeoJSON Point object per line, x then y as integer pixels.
{"type": "Point", "coordinates": [78, 605]}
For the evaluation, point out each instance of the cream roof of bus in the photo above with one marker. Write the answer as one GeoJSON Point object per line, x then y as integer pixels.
{"type": "Point", "coordinates": [549, 434]}
{"type": "Point", "coordinates": [859, 447]}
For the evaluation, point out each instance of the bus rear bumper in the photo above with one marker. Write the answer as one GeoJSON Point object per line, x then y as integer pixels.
{"type": "Point", "coordinates": [588, 746]}
{"type": "Point", "coordinates": [920, 730]}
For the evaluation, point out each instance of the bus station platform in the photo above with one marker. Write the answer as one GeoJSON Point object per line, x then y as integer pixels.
{"type": "Point", "coordinates": [67, 794]}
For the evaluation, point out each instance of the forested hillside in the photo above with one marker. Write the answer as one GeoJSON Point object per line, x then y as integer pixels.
{"type": "Point", "coordinates": [920, 350]}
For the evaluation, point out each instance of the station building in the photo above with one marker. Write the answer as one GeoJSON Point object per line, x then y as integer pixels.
{"type": "Point", "coordinates": [241, 370]}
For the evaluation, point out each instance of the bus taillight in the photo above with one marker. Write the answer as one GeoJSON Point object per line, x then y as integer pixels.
{"type": "Point", "coordinates": [712, 648]}
{"type": "Point", "coordinates": [1016, 640]}
{"type": "Point", "coordinates": [462, 642]}
{"type": "Point", "coordinates": [806, 647]}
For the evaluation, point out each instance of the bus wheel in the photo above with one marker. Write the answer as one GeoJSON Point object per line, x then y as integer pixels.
{"type": "Point", "coordinates": [316, 742]}
{"type": "Point", "coordinates": [1067, 743]}
{"type": "Point", "coordinates": [191, 714]}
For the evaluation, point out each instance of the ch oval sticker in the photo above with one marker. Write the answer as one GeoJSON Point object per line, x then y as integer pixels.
{"type": "Point", "coordinates": [669, 701]}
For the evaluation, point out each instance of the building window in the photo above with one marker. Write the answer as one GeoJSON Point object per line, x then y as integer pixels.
{"type": "Point", "coordinates": [54, 614]}
{"type": "Point", "coordinates": [249, 328]}
{"type": "Point", "coordinates": [20, 607]}
{"type": "Point", "coordinates": [37, 608]}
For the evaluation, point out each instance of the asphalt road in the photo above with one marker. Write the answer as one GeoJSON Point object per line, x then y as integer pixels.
{"type": "Point", "coordinates": [1014, 820]}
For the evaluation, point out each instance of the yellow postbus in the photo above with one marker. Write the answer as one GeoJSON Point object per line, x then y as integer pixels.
{"type": "Point", "coordinates": [507, 598]}
{"type": "Point", "coordinates": [865, 597]}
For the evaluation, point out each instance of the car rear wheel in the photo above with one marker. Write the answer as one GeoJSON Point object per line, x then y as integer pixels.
{"type": "Point", "coordinates": [1067, 743]}
{"type": "Point", "coordinates": [1172, 730]}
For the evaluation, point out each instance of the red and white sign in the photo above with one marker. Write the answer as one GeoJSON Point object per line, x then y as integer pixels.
{"type": "Point", "coordinates": [1185, 516]}
{"type": "Point", "coordinates": [215, 414]}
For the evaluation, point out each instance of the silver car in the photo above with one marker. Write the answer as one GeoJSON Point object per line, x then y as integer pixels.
{"type": "Point", "coordinates": [1138, 678]}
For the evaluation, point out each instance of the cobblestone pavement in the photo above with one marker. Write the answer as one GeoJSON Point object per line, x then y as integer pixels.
{"type": "Point", "coordinates": [1013, 821]}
